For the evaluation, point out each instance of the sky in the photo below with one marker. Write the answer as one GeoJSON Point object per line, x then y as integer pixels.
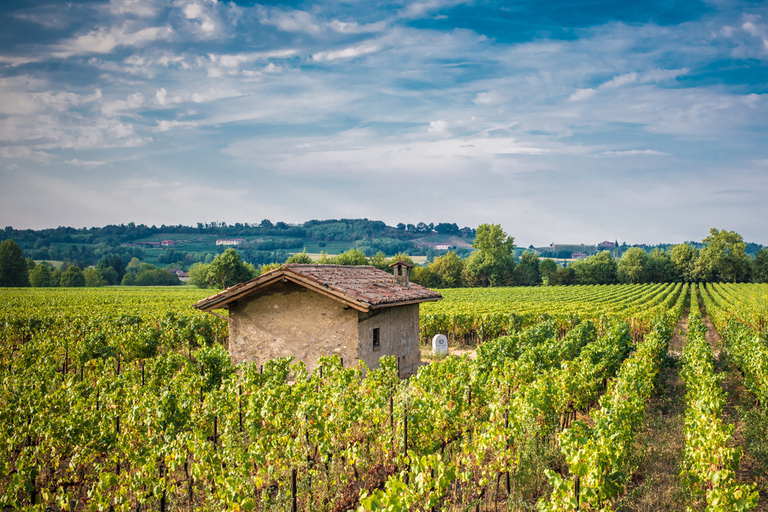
{"type": "Point", "coordinates": [563, 121]}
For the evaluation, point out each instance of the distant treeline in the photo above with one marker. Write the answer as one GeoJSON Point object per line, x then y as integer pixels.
{"type": "Point", "coordinates": [86, 246]}
{"type": "Point", "coordinates": [344, 230]}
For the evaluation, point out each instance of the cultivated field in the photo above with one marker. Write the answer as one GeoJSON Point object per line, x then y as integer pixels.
{"type": "Point", "coordinates": [124, 399]}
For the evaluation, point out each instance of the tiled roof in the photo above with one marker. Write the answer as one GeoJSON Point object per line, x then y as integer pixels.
{"type": "Point", "coordinates": [361, 287]}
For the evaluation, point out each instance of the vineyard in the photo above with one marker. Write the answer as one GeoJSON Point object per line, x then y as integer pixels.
{"type": "Point", "coordinates": [117, 399]}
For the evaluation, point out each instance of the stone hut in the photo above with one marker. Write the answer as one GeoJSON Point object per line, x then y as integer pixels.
{"type": "Point", "coordinates": [308, 311]}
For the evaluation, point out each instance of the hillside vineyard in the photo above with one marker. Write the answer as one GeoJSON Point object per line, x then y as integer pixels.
{"type": "Point", "coordinates": [127, 400]}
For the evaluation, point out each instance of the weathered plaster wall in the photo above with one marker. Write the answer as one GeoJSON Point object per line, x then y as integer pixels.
{"type": "Point", "coordinates": [399, 335]}
{"type": "Point", "coordinates": [289, 320]}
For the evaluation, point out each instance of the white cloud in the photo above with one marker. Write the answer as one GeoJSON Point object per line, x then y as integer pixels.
{"type": "Point", "coordinates": [582, 94]}
{"type": "Point", "coordinates": [164, 125]}
{"type": "Point", "coordinates": [85, 163]}
{"type": "Point", "coordinates": [24, 152]}
{"type": "Point", "coordinates": [160, 96]}
{"type": "Point", "coordinates": [346, 53]}
{"type": "Point", "coordinates": [633, 77]}
{"type": "Point", "coordinates": [105, 40]}
{"type": "Point", "coordinates": [488, 98]}
{"type": "Point", "coordinates": [437, 126]}
{"type": "Point", "coordinates": [118, 107]}
{"type": "Point", "coordinates": [238, 59]}
{"type": "Point", "coordinates": [423, 8]}
{"type": "Point", "coordinates": [141, 8]}
{"type": "Point", "coordinates": [296, 21]}
{"type": "Point", "coordinates": [634, 152]}
{"type": "Point", "coordinates": [214, 94]}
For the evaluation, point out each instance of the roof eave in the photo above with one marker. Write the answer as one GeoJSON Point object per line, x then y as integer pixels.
{"type": "Point", "coordinates": [222, 299]}
{"type": "Point", "coordinates": [405, 303]}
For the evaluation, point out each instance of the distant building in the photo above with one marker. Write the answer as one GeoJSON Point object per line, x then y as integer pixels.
{"type": "Point", "coordinates": [183, 276]}
{"type": "Point", "coordinates": [579, 256]}
{"type": "Point", "coordinates": [167, 243]}
{"type": "Point", "coordinates": [442, 247]}
{"type": "Point", "coordinates": [230, 241]}
{"type": "Point", "coordinates": [607, 245]}
{"type": "Point", "coordinates": [586, 249]}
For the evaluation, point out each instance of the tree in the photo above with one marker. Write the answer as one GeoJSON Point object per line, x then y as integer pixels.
{"type": "Point", "coordinates": [300, 257]}
{"type": "Point", "coordinates": [547, 268]}
{"type": "Point", "coordinates": [527, 271]}
{"type": "Point", "coordinates": [115, 263]}
{"type": "Point", "coordinates": [72, 277]}
{"type": "Point", "coordinates": [14, 270]}
{"type": "Point", "coordinates": [760, 266]}
{"type": "Point", "coordinates": [93, 277]}
{"type": "Point", "coordinates": [660, 268]}
{"type": "Point", "coordinates": [379, 260]}
{"type": "Point", "coordinates": [40, 276]}
{"type": "Point", "coordinates": [448, 269]}
{"type": "Point", "coordinates": [633, 266]}
{"type": "Point", "coordinates": [684, 258]}
{"type": "Point", "coordinates": [146, 274]}
{"type": "Point", "coordinates": [56, 277]}
{"type": "Point", "coordinates": [198, 275]}
{"type": "Point", "coordinates": [562, 277]}
{"type": "Point", "coordinates": [724, 258]}
{"type": "Point", "coordinates": [425, 276]}
{"type": "Point", "coordinates": [491, 264]}
{"type": "Point", "coordinates": [599, 268]}
{"type": "Point", "coordinates": [228, 269]}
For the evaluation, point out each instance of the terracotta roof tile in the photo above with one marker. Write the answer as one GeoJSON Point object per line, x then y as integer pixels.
{"type": "Point", "coordinates": [364, 287]}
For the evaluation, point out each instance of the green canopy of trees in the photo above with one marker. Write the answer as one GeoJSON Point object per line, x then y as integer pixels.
{"type": "Point", "coordinates": [14, 270]}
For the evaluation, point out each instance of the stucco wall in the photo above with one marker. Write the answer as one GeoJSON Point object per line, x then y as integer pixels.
{"type": "Point", "coordinates": [399, 336]}
{"type": "Point", "coordinates": [289, 320]}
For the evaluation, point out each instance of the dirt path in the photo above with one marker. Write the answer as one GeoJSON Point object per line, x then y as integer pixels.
{"type": "Point", "coordinates": [656, 484]}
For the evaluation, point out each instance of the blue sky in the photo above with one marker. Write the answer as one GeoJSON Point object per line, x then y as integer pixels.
{"type": "Point", "coordinates": [562, 121]}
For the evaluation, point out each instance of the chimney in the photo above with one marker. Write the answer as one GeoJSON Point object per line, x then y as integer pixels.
{"type": "Point", "coordinates": [400, 269]}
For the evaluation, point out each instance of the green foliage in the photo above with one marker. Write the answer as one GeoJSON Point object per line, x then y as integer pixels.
{"type": "Point", "coordinates": [300, 257]}
{"type": "Point", "coordinates": [709, 462]}
{"type": "Point", "coordinates": [144, 274]}
{"type": "Point", "coordinates": [198, 275]}
{"type": "Point", "coordinates": [14, 270]}
{"type": "Point", "coordinates": [266, 268]}
{"type": "Point", "coordinates": [112, 268]}
{"type": "Point", "coordinates": [724, 258]}
{"type": "Point", "coordinates": [527, 272]}
{"type": "Point", "coordinates": [94, 277]}
{"type": "Point", "coordinates": [633, 266]}
{"type": "Point", "coordinates": [562, 277]}
{"type": "Point", "coordinates": [228, 269]}
{"type": "Point", "coordinates": [684, 258]}
{"type": "Point", "coordinates": [449, 268]}
{"type": "Point", "coordinates": [760, 266]}
{"type": "Point", "coordinates": [351, 257]}
{"type": "Point", "coordinates": [215, 365]}
{"type": "Point", "coordinates": [41, 276]}
{"type": "Point", "coordinates": [72, 277]}
{"type": "Point", "coordinates": [547, 268]}
{"type": "Point", "coordinates": [491, 264]}
{"type": "Point", "coordinates": [599, 268]}
{"type": "Point", "coordinates": [660, 268]}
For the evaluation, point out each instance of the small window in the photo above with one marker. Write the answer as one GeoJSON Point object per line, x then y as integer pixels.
{"type": "Point", "coordinates": [376, 338]}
